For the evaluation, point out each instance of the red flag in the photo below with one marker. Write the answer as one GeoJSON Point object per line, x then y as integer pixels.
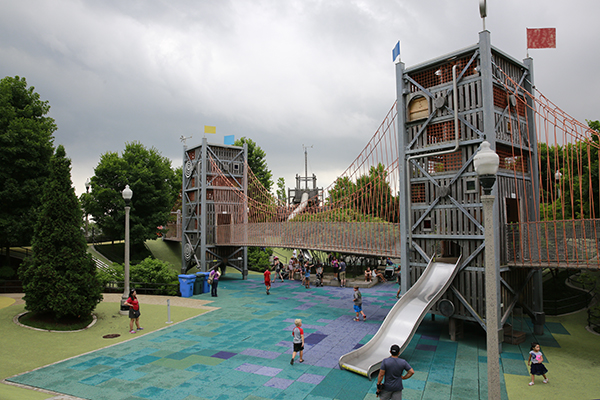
{"type": "Point", "coordinates": [541, 38]}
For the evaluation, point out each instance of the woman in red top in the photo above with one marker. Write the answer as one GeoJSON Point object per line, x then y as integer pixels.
{"type": "Point", "coordinates": [134, 311]}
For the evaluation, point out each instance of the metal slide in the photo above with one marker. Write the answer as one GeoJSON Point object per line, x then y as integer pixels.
{"type": "Point", "coordinates": [400, 324]}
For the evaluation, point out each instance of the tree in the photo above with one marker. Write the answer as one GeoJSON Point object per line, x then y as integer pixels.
{"type": "Point", "coordinates": [60, 278]}
{"type": "Point", "coordinates": [281, 192]}
{"type": "Point", "coordinates": [257, 162]}
{"type": "Point", "coordinates": [155, 186]}
{"type": "Point", "coordinates": [26, 145]}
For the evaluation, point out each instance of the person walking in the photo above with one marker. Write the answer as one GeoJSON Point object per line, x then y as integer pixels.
{"type": "Point", "coordinates": [399, 281]}
{"type": "Point", "coordinates": [213, 279]}
{"type": "Point", "coordinates": [357, 299]}
{"type": "Point", "coordinates": [535, 360]}
{"type": "Point", "coordinates": [298, 334]}
{"type": "Point", "coordinates": [278, 267]}
{"type": "Point", "coordinates": [392, 369]}
{"type": "Point", "coordinates": [134, 311]}
{"type": "Point", "coordinates": [342, 273]}
{"type": "Point", "coordinates": [335, 265]}
{"type": "Point", "coordinates": [267, 275]}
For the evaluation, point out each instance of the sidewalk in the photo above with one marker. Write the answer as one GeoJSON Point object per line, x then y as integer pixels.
{"type": "Point", "coordinates": [241, 350]}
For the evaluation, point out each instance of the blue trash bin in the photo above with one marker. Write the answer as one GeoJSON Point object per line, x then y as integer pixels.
{"type": "Point", "coordinates": [206, 285]}
{"type": "Point", "coordinates": [186, 285]}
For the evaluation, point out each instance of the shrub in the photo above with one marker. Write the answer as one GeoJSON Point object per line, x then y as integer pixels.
{"type": "Point", "coordinates": [259, 258]}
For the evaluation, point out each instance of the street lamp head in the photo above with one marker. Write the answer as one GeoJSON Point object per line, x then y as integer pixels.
{"type": "Point", "coordinates": [557, 176]}
{"type": "Point", "coordinates": [486, 163]}
{"type": "Point", "coordinates": [127, 194]}
{"type": "Point", "coordinates": [87, 185]}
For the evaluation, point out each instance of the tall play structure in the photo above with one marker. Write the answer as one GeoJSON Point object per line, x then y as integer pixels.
{"type": "Point", "coordinates": [443, 212]}
{"type": "Point", "coordinates": [209, 203]}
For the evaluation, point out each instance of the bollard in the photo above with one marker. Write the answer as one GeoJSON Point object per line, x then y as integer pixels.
{"type": "Point", "coordinates": [169, 312]}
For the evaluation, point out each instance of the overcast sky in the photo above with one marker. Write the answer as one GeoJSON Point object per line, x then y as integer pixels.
{"type": "Point", "coordinates": [285, 73]}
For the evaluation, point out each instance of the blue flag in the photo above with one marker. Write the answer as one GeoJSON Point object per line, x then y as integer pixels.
{"type": "Point", "coordinates": [396, 51]}
{"type": "Point", "coordinates": [229, 140]}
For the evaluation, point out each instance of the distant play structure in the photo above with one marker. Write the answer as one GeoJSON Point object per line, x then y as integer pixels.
{"type": "Point", "coordinates": [413, 194]}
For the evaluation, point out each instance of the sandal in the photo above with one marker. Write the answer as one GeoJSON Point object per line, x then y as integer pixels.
{"type": "Point", "coordinates": [300, 361]}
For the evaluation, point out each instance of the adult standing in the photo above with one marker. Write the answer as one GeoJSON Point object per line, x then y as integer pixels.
{"type": "Point", "coordinates": [134, 311]}
{"type": "Point", "coordinates": [342, 273]}
{"type": "Point", "coordinates": [291, 269]}
{"type": "Point", "coordinates": [277, 266]}
{"type": "Point", "coordinates": [392, 369]}
{"type": "Point", "coordinates": [214, 277]}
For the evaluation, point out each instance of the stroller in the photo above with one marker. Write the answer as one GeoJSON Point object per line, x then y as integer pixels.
{"type": "Point", "coordinates": [319, 281]}
{"type": "Point", "coordinates": [390, 272]}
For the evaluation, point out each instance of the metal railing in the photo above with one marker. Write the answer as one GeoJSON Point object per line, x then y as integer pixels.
{"type": "Point", "coordinates": [169, 289]}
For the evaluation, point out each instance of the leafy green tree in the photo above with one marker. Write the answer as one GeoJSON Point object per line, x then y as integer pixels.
{"type": "Point", "coordinates": [60, 278]}
{"type": "Point", "coordinates": [257, 160]}
{"type": "Point", "coordinates": [26, 145]}
{"type": "Point", "coordinates": [155, 185]}
{"type": "Point", "coordinates": [281, 190]}
{"type": "Point", "coordinates": [370, 197]}
{"type": "Point", "coordinates": [259, 258]}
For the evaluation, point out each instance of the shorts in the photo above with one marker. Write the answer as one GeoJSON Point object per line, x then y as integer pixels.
{"type": "Point", "coordinates": [357, 308]}
{"type": "Point", "coordinates": [133, 314]}
{"type": "Point", "coordinates": [298, 347]}
{"type": "Point", "coordinates": [268, 283]}
{"type": "Point", "coordinates": [385, 395]}
{"type": "Point", "coordinates": [343, 275]}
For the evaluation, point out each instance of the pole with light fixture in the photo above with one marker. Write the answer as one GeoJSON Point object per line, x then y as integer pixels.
{"type": "Point", "coordinates": [486, 163]}
{"type": "Point", "coordinates": [127, 195]}
{"type": "Point", "coordinates": [87, 190]}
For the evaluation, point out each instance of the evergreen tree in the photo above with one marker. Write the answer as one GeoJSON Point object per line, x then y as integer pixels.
{"type": "Point", "coordinates": [60, 278]}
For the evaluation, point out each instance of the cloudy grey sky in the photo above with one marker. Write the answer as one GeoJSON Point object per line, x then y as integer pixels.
{"type": "Point", "coordinates": [285, 73]}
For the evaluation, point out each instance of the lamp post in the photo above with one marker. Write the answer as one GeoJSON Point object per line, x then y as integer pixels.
{"type": "Point", "coordinates": [486, 164]}
{"type": "Point", "coordinates": [87, 190]}
{"type": "Point", "coordinates": [127, 195]}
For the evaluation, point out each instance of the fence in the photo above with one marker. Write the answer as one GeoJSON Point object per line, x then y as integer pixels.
{"type": "Point", "coordinates": [169, 289]}
{"type": "Point", "coordinates": [593, 319]}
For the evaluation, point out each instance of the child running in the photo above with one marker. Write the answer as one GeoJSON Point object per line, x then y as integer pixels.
{"type": "Point", "coordinates": [358, 304]}
{"type": "Point", "coordinates": [267, 275]}
{"type": "Point", "coordinates": [298, 334]}
{"type": "Point", "coordinates": [536, 359]}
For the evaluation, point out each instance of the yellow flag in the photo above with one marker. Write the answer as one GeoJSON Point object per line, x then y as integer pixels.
{"type": "Point", "coordinates": [210, 129]}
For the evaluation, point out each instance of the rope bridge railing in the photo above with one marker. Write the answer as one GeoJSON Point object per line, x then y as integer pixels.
{"type": "Point", "coordinates": [564, 230]}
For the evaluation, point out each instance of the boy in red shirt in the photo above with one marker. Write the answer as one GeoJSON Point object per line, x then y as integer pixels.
{"type": "Point", "coordinates": [267, 275]}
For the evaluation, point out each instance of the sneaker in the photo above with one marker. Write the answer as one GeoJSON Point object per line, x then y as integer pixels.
{"type": "Point", "coordinates": [530, 383]}
{"type": "Point", "coordinates": [132, 331]}
{"type": "Point", "coordinates": [292, 361]}
{"type": "Point", "coordinates": [545, 381]}
{"type": "Point", "coordinates": [356, 319]}
{"type": "Point", "coordinates": [140, 329]}
{"type": "Point", "coordinates": [365, 318]}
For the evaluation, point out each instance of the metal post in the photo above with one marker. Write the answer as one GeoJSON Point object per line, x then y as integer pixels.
{"type": "Point", "coordinates": [169, 312]}
{"type": "Point", "coordinates": [126, 282]}
{"type": "Point", "coordinates": [491, 301]}
{"type": "Point", "coordinates": [404, 191]}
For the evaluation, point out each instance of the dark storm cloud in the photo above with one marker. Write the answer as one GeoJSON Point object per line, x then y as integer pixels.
{"type": "Point", "coordinates": [283, 73]}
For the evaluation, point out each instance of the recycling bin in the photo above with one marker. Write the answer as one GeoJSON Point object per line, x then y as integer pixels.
{"type": "Point", "coordinates": [186, 285]}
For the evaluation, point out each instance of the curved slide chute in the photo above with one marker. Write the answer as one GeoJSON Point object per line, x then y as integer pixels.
{"type": "Point", "coordinates": [301, 206]}
{"type": "Point", "coordinates": [400, 324]}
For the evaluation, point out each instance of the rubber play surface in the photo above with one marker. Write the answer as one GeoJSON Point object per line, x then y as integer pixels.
{"type": "Point", "coordinates": [243, 351]}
